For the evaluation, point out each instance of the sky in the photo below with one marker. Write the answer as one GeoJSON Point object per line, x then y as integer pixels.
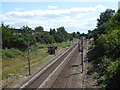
{"type": "Point", "coordinates": [74, 16]}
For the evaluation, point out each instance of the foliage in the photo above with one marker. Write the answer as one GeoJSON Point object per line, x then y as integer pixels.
{"type": "Point", "coordinates": [52, 31]}
{"type": "Point", "coordinates": [115, 20]}
{"type": "Point", "coordinates": [75, 35]}
{"type": "Point", "coordinates": [112, 80]}
{"type": "Point", "coordinates": [20, 41]}
{"type": "Point", "coordinates": [28, 37]}
{"type": "Point", "coordinates": [105, 24]}
{"type": "Point", "coordinates": [7, 34]}
{"type": "Point", "coordinates": [106, 53]}
{"type": "Point", "coordinates": [109, 44]}
{"type": "Point", "coordinates": [26, 30]}
{"type": "Point", "coordinates": [44, 38]}
{"type": "Point", "coordinates": [11, 53]}
{"type": "Point", "coordinates": [60, 34]}
{"type": "Point", "coordinates": [39, 37]}
{"type": "Point", "coordinates": [39, 28]}
{"type": "Point", "coordinates": [105, 16]}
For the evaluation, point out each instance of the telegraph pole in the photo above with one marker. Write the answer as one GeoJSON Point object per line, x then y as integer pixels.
{"type": "Point", "coordinates": [29, 58]}
{"type": "Point", "coordinates": [82, 53]}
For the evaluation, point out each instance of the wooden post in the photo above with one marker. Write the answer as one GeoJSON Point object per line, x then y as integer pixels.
{"type": "Point", "coordinates": [29, 59]}
{"type": "Point", "coordinates": [82, 53]}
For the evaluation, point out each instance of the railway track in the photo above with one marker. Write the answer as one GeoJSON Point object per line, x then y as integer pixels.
{"type": "Point", "coordinates": [72, 76]}
{"type": "Point", "coordinates": [47, 76]}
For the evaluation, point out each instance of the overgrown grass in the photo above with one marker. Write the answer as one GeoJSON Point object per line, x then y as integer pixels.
{"type": "Point", "coordinates": [19, 66]}
{"type": "Point", "coordinates": [11, 53]}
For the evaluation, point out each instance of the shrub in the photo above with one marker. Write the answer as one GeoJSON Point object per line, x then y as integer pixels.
{"type": "Point", "coordinates": [11, 53]}
{"type": "Point", "coordinates": [113, 78]}
{"type": "Point", "coordinates": [108, 44]}
{"type": "Point", "coordinates": [108, 73]}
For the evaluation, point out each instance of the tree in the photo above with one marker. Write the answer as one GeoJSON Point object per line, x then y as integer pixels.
{"type": "Point", "coordinates": [39, 28]}
{"type": "Point", "coordinates": [39, 37]}
{"type": "Point", "coordinates": [48, 38]}
{"type": "Point", "coordinates": [62, 33]}
{"type": "Point", "coordinates": [58, 38]}
{"type": "Point", "coordinates": [26, 30]}
{"type": "Point", "coordinates": [19, 41]}
{"type": "Point", "coordinates": [106, 53]}
{"type": "Point", "coordinates": [115, 20]}
{"type": "Point", "coordinates": [44, 37]}
{"type": "Point", "coordinates": [74, 34]}
{"type": "Point", "coordinates": [78, 34]}
{"type": "Point", "coordinates": [7, 35]}
{"type": "Point", "coordinates": [109, 43]}
{"type": "Point", "coordinates": [105, 16]}
{"type": "Point", "coordinates": [52, 31]}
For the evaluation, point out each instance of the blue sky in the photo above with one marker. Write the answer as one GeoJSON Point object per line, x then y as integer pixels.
{"type": "Point", "coordinates": [74, 16]}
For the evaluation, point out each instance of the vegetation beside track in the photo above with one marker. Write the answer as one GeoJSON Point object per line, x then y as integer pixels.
{"type": "Point", "coordinates": [105, 54]}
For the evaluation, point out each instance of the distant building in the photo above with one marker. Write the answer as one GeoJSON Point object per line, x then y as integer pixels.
{"type": "Point", "coordinates": [119, 5]}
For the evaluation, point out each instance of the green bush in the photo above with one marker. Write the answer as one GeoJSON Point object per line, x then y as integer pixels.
{"type": "Point", "coordinates": [108, 73]}
{"type": "Point", "coordinates": [105, 56]}
{"type": "Point", "coordinates": [102, 68]}
{"type": "Point", "coordinates": [112, 78]}
{"type": "Point", "coordinates": [11, 53]}
{"type": "Point", "coordinates": [105, 62]}
{"type": "Point", "coordinates": [109, 44]}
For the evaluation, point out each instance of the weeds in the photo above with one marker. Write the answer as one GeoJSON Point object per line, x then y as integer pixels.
{"type": "Point", "coordinates": [11, 53]}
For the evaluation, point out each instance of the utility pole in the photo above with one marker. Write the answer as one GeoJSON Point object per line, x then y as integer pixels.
{"type": "Point", "coordinates": [29, 58]}
{"type": "Point", "coordinates": [82, 53]}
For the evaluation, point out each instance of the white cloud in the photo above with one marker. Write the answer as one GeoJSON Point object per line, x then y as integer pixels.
{"type": "Point", "coordinates": [72, 12]}
{"type": "Point", "coordinates": [69, 23]}
{"type": "Point", "coordinates": [101, 8]}
{"type": "Point", "coordinates": [2, 17]}
{"type": "Point", "coordinates": [52, 7]}
{"type": "Point", "coordinates": [18, 9]}
{"type": "Point", "coordinates": [90, 22]}
{"type": "Point", "coordinates": [73, 18]}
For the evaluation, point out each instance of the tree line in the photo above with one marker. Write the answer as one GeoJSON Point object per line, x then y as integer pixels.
{"type": "Point", "coordinates": [105, 56]}
{"type": "Point", "coordinates": [26, 36]}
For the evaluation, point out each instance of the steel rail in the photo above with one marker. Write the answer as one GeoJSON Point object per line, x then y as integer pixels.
{"type": "Point", "coordinates": [44, 69]}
